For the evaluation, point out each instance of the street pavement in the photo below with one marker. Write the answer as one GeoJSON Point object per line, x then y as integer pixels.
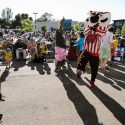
{"type": "Point", "coordinates": [34, 95]}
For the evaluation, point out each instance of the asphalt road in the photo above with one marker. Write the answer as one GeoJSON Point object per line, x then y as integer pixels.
{"type": "Point", "coordinates": [35, 96]}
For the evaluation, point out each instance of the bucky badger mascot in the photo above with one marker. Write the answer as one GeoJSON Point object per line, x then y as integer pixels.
{"type": "Point", "coordinates": [95, 28]}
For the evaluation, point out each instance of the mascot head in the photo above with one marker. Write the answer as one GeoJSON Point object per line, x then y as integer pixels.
{"type": "Point", "coordinates": [98, 18]}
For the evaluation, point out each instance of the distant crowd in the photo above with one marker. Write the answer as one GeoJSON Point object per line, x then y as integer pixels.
{"type": "Point", "coordinates": [65, 45]}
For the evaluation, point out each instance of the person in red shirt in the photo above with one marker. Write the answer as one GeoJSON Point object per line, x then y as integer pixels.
{"type": "Point", "coordinates": [93, 38]}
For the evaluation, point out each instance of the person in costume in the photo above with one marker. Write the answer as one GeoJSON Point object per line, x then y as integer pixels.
{"type": "Point", "coordinates": [95, 28]}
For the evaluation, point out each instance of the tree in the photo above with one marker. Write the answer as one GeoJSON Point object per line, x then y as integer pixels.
{"type": "Point", "coordinates": [118, 31]}
{"type": "Point", "coordinates": [45, 17]}
{"type": "Point", "coordinates": [3, 23]}
{"type": "Point", "coordinates": [123, 30]}
{"type": "Point", "coordinates": [24, 16]}
{"type": "Point", "coordinates": [17, 21]}
{"type": "Point", "coordinates": [7, 14]}
{"type": "Point", "coordinates": [43, 28]}
{"type": "Point", "coordinates": [18, 18]}
{"type": "Point", "coordinates": [30, 18]}
{"type": "Point", "coordinates": [77, 27]}
{"type": "Point", "coordinates": [27, 25]}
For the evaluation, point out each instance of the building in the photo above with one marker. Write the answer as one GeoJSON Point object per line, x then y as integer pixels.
{"type": "Point", "coordinates": [118, 23]}
{"type": "Point", "coordinates": [51, 25]}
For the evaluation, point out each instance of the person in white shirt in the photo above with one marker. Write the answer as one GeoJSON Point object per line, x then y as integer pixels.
{"type": "Point", "coordinates": [105, 48]}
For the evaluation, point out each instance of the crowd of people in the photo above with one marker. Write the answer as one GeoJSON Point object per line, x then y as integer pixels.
{"type": "Point", "coordinates": [98, 50]}
{"type": "Point", "coordinates": [18, 46]}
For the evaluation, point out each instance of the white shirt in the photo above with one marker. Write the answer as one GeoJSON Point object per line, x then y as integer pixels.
{"type": "Point", "coordinates": [107, 38]}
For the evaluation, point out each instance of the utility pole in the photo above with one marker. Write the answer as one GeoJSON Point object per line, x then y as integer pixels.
{"type": "Point", "coordinates": [35, 18]}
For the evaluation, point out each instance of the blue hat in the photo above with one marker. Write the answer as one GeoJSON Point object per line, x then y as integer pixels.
{"type": "Point", "coordinates": [8, 49]}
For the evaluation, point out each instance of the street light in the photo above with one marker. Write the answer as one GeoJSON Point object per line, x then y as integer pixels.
{"type": "Point", "coordinates": [35, 18]}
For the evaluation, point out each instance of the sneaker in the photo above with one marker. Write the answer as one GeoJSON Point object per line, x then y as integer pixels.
{"type": "Point", "coordinates": [57, 72]}
{"type": "Point", "coordinates": [107, 68]}
{"type": "Point", "coordinates": [78, 73]}
{"type": "Point", "coordinates": [92, 85]}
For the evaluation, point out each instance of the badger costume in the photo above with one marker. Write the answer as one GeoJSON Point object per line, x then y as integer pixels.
{"type": "Point", "coordinates": [95, 28]}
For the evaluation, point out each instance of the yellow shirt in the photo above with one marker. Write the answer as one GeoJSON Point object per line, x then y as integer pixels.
{"type": "Point", "coordinates": [115, 43]}
{"type": "Point", "coordinates": [43, 49]}
{"type": "Point", "coordinates": [7, 55]}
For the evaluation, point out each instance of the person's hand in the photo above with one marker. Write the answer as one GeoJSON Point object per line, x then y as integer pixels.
{"type": "Point", "coordinates": [94, 27]}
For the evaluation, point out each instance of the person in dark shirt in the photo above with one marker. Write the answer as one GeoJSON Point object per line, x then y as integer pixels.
{"type": "Point", "coordinates": [60, 40]}
{"type": "Point", "coordinates": [60, 50]}
{"type": "Point", "coordinates": [1, 34]}
{"type": "Point", "coordinates": [122, 42]}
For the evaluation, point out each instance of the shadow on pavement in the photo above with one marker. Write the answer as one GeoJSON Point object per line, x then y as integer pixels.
{"type": "Point", "coordinates": [18, 64]}
{"type": "Point", "coordinates": [74, 95]}
{"type": "Point", "coordinates": [40, 67]}
{"type": "Point", "coordinates": [118, 77]}
{"type": "Point", "coordinates": [4, 75]}
{"type": "Point", "coordinates": [73, 64]}
{"type": "Point", "coordinates": [72, 75]}
{"type": "Point", "coordinates": [85, 110]}
{"type": "Point", "coordinates": [2, 79]}
{"type": "Point", "coordinates": [1, 115]}
{"type": "Point", "coordinates": [108, 80]}
{"type": "Point", "coordinates": [115, 78]}
{"type": "Point", "coordinates": [119, 66]}
{"type": "Point", "coordinates": [117, 110]}
{"type": "Point", "coordinates": [47, 68]}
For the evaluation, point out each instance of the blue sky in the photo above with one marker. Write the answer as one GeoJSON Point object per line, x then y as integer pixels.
{"type": "Point", "coordinates": [71, 9]}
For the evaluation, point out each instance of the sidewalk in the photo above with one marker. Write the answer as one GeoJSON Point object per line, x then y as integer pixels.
{"type": "Point", "coordinates": [35, 96]}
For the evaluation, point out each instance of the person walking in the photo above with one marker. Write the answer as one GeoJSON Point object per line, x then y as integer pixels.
{"type": "Point", "coordinates": [93, 37]}
{"type": "Point", "coordinates": [80, 43]}
{"type": "Point", "coordinates": [105, 48]}
{"type": "Point", "coordinates": [60, 50]}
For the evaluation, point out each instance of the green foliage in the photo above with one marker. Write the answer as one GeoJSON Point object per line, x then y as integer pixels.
{"type": "Point", "coordinates": [7, 14]}
{"type": "Point", "coordinates": [45, 17]}
{"type": "Point", "coordinates": [2, 23]}
{"type": "Point", "coordinates": [24, 16]}
{"type": "Point", "coordinates": [6, 21]}
{"type": "Point", "coordinates": [43, 28]}
{"type": "Point", "coordinates": [118, 32]}
{"type": "Point", "coordinates": [31, 18]}
{"type": "Point", "coordinates": [123, 30]}
{"type": "Point", "coordinates": [77, 27]}
{"type": "Point", "coordinates": [27, 25]}
{"type": "Point", "coordinates": [17, 22]}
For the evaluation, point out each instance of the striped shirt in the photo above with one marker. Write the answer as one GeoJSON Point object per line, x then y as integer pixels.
{"type": "Point", "coordinates": [93, 40]}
